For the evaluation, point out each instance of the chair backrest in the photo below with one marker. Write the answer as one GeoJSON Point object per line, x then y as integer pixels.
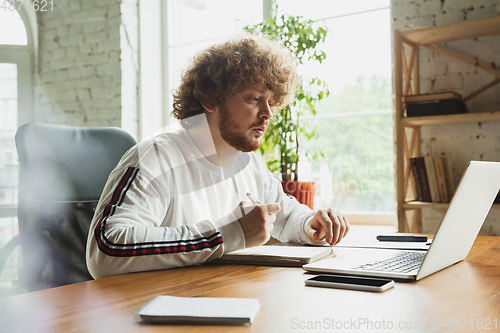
{"type": "Point", "coordinates": [62, 172]}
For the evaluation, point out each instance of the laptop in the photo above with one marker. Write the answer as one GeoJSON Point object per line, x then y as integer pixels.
{"type": "Point", "coordinates": [452, 242]}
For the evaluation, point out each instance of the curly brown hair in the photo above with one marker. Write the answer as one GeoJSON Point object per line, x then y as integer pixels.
{"type": "Point", "coordinates": [222, 70]}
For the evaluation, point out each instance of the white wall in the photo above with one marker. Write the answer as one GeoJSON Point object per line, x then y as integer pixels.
{"type": "Point", "coordinates": [87, 56]}
{"type": "Point", "coordinates": [460, 142]}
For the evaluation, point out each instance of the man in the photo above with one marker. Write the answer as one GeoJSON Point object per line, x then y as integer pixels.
{"type": "Point", "coordinates": [178, 198]}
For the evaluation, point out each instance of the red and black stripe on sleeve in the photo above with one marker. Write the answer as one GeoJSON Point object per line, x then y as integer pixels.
{"type": "Point", "coordinates": [146, 248]}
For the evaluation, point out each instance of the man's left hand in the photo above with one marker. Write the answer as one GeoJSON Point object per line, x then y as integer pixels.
{"type": "Point", "coordinates": [328, 225]}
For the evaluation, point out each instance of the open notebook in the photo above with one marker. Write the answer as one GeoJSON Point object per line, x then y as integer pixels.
{"type": "Point", "coordinates": [278, 255]}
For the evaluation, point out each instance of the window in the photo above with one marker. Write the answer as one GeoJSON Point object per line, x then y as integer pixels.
{"type": "Point", "coordinates": [16, 96]}
{"type": "Point", "coordinates": [8, 127]}
{"type": "Point", "coordinates": [196, 24]}
{"type": "Point", "coordinates": [355, 123]}
{"type": "Point", "coordinates": [12, 27]}
{"type": "Point", "coordinates": [171, 32]}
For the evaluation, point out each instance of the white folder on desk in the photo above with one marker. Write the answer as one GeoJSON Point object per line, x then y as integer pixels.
{"type": "Point", "coordinates": [198, 310]}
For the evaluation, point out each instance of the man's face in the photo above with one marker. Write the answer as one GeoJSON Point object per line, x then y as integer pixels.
{"type": "Point", "coordinates": [245, 116]}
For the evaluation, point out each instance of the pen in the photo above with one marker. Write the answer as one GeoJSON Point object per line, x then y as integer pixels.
{"type": "Point", "coordinates": [252, 198]}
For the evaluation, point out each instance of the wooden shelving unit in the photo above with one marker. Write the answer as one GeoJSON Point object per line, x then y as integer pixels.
{"type": "Point", "coordinates": [407, 82]}
{"type": "Point", "coordinates": [483, 117]}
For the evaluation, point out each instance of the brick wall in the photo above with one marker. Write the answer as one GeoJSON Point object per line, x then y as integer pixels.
{"type": "Point", "coordinates": [85, 64]}
{"type": "Point", "coordinates": [460, 142]}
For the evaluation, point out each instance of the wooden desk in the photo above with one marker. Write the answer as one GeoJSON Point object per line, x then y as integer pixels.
{"type": "Point", "coordinates": [465, 294]}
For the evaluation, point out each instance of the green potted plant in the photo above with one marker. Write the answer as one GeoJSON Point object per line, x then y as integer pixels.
{"type": "Point", "coordinates": [280, 144]}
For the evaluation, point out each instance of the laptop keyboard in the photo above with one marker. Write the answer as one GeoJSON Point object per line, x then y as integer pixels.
{"type": "Point", "coordinates": [403, 262]}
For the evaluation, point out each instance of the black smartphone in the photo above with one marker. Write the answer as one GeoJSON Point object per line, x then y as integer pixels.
{"type": "Point", "coordinates": [401, 238]}
{"type": "Point", "coordinates": [350, 282]}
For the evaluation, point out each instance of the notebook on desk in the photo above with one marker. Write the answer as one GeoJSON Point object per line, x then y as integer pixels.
{"type": "Point", "coordinates": [198, 310]}
{"type": "Point", "coordinates": [453, 240]}
{"type": "Point", "coordinates": [278, 255]}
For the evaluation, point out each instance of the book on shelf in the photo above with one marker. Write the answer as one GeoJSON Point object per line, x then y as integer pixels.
{"type": "Point", "coordinates": [435, 108]}
{"type": "Point", "coordinates": [432, 177]}
{"type": "Point", "coordinates": [420, 177]}
{"type": "Point", "coordinates": [278, 255]}
{"type": "Point", "coordinates": [441, 179]}
{"type": "Point", "coordinates": [416, 179]}
{"type": "Point", "coordinates": [434, 104]}
{"type": "Point", "coordinates": [450, 186]}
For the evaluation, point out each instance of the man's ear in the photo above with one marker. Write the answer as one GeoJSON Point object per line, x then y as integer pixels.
{"type": "Point", "coordinates": [209, 109]}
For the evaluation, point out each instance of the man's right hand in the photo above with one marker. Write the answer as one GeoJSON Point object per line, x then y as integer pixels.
{"type": "Point", "coordinates": [256, 221]}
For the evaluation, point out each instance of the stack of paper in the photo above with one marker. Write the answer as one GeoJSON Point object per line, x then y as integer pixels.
{"type": "Point", "coordinates": [198, 310]}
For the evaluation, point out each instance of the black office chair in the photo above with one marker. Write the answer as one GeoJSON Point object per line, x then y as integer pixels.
{"type": "Point", "coordinates": [62, 173]}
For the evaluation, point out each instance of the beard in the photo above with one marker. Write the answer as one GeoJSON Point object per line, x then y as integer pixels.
{"type": "Point", "coordinates": [231, 132]}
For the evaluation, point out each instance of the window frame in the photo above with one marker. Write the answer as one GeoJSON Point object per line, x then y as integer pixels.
{"type": "Point", "coordinates": [23, 57]}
